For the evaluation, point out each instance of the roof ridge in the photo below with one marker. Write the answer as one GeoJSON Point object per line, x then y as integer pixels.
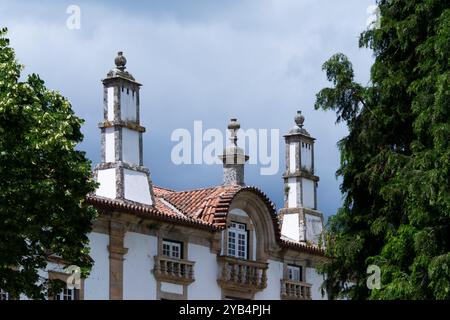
{"type": "Point", "coordinates": [164, 188]}
{"type": "Point", "coordinates": [208, 188]}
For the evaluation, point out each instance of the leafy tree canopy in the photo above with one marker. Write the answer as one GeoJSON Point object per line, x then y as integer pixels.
{"type": "Point", "coordinates": [395, 161]}
{"type": "Point", "coordinates": [43, 181]}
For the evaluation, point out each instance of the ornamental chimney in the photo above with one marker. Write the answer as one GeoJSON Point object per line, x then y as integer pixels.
{"type": "Point", "coordinates": [121, 173]}
{"type": "Point", "coordinates": [301, 220]}
{"type": "Point", "coordinates": [233, 158]}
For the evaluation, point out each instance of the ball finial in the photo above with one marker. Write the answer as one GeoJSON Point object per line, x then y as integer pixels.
{"type": "Point", "coordinates": [120, 61]}
{"type": "Point", "coordinates": [233, 124]}
{"type": "Point", "coordinates": [299, 119]}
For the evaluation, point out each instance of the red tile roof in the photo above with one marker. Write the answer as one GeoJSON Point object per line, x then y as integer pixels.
{"type": "Point", "coordinates": [160, 211]}
{"type": "Point", "coordinates": [209, 205]}
{"type": "Point", "coordinates": [203, 208]}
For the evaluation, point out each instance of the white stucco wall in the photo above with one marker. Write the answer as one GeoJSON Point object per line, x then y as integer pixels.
{"type": "Point", "coordinates": [110, 103]}
{"type": "Point", "coordinates": [290, 227]}
{"type": "Point", "coordinates": [306, 155]}
{"type": "Point", "coordinates": [313, 228]}
{"type": "Point", "coordinates": [136, 186]}
{"type": "Point", "coordinates": [107, 180]}
{"type": "Point", "coordinates": [206, 273]}
{"type": "Point", "coordinates": [109, 145]}
{"type": "Point", "coordinates": [130, 146]}
{"type": "Point", "coordinates": [96, 286]}
{"type": "Point", "coordinates": [292, 162]}
{"type": "Point", "coordinates": [274, 276]}
{"type": "Point", "coordinates": [308, 193]}
{"type": "Point", "coordinates": [138, 280]}
{"type": "Point", "coordinates": [128, 105]}
{"type": "Point", "coordinates": [316, 280]}
{"type": "Point", "coordinates": [292, 195]}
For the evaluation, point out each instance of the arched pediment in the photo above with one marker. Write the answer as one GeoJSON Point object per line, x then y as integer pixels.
{"type": "Point", "coordinates": [254, 204]}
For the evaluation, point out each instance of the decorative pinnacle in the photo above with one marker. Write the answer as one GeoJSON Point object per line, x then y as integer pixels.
{"type": "Point", "coordinates": [233, 126]}
{"type": "Point", "coordinates": [120, 61]}
{"type": "Point", "coordinates": [299, 119]}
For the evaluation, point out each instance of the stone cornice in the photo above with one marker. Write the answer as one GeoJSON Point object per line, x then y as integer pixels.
{"type": "Point", "coordinates": [124, 124]}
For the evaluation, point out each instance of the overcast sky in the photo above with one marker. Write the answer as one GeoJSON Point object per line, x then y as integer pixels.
{"type": "Point", "coordinates": [258, 61]}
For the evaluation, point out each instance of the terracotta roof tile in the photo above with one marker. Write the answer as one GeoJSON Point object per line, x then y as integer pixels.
{"type": "Point", "coordinates": [160, 211]}
{"type": "Point", "coordinates": [203, 208]}
{"type": "Point", "coordinates": [160, 191]}
{"type": "Point", "coordinates": [209, 205]}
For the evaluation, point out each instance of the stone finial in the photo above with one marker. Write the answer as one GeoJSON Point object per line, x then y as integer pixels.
{"type": "Point", "coordinates": [234, 126]}
{"type": "Point", "coordinates": [233, 158]}
{"type": "Point", "coordinates": [120, 61]}
{"type": "Point", "coordinates": [299, 119]}
{"type": "Point", "coordinates": [298, 128]}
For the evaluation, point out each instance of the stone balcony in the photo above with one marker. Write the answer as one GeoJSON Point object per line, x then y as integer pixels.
{"type": "Point", "coordinates": [295, 290]}
{"type": "Point", "coordinates": [177, 271]}
{"type": "Point", "coordinates": [242, 275]}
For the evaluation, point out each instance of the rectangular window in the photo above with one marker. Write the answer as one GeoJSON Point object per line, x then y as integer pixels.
{"type": "Point", "coordinates": [4, 295]}
{"type": "Point", "coordinates": [172, 249]}
{"type": "Point", "coordinates": [237, 240]}
{"type": "Point", "coordinates": [67, 294]}
{"type": "Point", "coordinates": [295, 273]}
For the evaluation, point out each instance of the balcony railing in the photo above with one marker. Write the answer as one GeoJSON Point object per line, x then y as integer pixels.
{"type": "Point", "coordinates": [243, 275]}
{"type": "Point", "coordinates": [295, 290]}
{"type": "Point", "coordinates": [174, 270]}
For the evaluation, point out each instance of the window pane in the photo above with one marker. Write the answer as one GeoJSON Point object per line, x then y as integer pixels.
{"type": "Point", "coordinates": [295, 273]}
{"type": "Point", "coordinates": [172, 249]}
{"type": "Point", "coordinates": [237, 240]}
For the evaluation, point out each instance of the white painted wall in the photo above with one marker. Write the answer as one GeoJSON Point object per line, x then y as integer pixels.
{"type": "Point", "coordinates": [130, 146]}
{"type": "Point", "coordinates": [206, 272]}
{"type": "Point", "coordinates": [128, 105]}
{"type": "Point", "coordinates": [138, 280]}
{"type": "Point", "coordinates": [292, 195]}
{"type": "Point", "coordinates": [306, 155]}
{"type": "Point", "coordinates": [107, 180]}
{"type": "Point", "coordinates": [316, 280]}
{"type": "Point", "coordinates": [171, 287]}
{"type": "Point", "coordinates": [290, 227]}
{"type": "Point", "coordinates": [308, 193]}
{"type": "Point", "coordinates": [292, 162]}
{"type": "Point", "coordinates": [109, 145]}
{"type": "Point", "coordinates": [96, 286]}
{"type": "Point", "coordinates": [136, 186]}
{"type": "Point", "coordinates": [274, 276]}
{"type": "Point", "coordinates": [110, 103]}
{"type": "Point", "coordinates": [313, 228]}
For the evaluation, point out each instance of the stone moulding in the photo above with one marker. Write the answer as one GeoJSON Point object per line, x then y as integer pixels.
{"type": "Point", "coordinates": [242, 275]}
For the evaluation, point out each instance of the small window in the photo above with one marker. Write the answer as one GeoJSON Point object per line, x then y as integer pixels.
{"type": "Point", "coordinates": [295, 273]}
{"type": "Point", "coordinates": [4, 295]}
{"type": "Point", "coordinates": [237, 240]}
{"type": "Point", "coordinates": [67, 294]}
{"type": "Point", "coordinates": [172, 249]}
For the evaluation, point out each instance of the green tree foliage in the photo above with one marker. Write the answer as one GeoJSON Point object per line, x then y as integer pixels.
{"type": "Point", "coordinates": [395, 161]}
{"type": "Point", "coordinates": [43, 181]}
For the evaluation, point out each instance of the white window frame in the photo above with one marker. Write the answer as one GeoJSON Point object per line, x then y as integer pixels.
{"type": "Point", "coordinates": [172, 249]}
{"type": "Point", "coordinates": [237, 232]}
{"type": "Point", "coordinates": [4, 295]}
{"type": "Point", "coordinates": [294, 273]}
{"type": "Point", "coordinates": [66, 294]}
